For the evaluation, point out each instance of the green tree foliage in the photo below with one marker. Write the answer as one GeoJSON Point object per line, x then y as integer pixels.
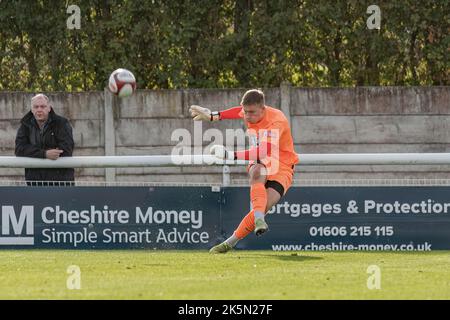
{"type": "Point", "coordinates": [223, 43]}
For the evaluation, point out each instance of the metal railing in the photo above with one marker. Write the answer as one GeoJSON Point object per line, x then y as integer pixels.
{"type": "Point", "coordinates": [195, 160]}
{"type": "Point", "coordinates": [202, 160]}
{"type": "Point", "coordinates": [244, 182]}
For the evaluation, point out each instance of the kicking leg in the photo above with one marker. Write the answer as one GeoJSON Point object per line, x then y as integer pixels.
{"type": "Point", "coordinates": [272, 198]}
{"type": "Point", "coordinates": [259, 198]}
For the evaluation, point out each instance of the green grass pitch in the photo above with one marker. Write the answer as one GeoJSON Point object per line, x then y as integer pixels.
{"type": "Point", "coordinates": [42, 274]}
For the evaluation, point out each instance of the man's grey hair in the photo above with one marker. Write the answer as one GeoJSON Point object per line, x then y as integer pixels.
{"type": "Point", "coordinates": [40, 95]}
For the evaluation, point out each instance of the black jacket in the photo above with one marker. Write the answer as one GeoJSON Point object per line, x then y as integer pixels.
{"type": "Point", "coordinates": [32, 142]}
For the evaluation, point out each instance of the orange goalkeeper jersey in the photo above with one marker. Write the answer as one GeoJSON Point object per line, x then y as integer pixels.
{"type": "Point", "coordinates": [273, 128]}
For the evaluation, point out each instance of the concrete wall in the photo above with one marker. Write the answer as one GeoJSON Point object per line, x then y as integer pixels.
{"type": "Point", "coordinates": [323, 120]}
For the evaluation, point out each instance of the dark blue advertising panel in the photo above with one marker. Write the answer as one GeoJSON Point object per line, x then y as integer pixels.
{"type": "Point", "coordinates": [111, 217]}
{"type": "Point", "coordinates": [349, 218]}
{"type": "Point", "coordinates": [307, 218]}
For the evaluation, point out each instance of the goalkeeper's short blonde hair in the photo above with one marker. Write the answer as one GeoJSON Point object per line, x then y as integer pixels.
{"type": "Point", "coordinates": [253, 97]}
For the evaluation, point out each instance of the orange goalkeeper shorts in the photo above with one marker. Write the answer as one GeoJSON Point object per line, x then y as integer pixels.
{"type": "Point", "coordinates": [283, 176]}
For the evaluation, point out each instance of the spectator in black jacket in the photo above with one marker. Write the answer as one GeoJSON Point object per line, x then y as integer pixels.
{"type": "Point", "coordinates": [44, 134]}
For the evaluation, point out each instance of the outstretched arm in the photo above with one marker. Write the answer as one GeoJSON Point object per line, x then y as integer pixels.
{"type": "Point", "coordinates": [254, 153]}
{"type": "Point", "coordinates": [268, 146]}
{"type": "Point", "coordinates": [232, 113]}
{"type": "Point", "coordinates": [204, 114]}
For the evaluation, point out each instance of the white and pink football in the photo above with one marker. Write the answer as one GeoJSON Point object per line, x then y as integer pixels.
{"type": "Point", "coordinates": [122, 83]}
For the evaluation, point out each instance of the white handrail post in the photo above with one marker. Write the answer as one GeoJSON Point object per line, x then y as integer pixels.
{"type": "Point", "coordinates": [226, 177]}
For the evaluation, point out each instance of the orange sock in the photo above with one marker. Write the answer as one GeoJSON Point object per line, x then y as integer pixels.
{"type": "Point", "coordinates": [258, 197]}
{"type": "Point", "coordinates": [246, 226]}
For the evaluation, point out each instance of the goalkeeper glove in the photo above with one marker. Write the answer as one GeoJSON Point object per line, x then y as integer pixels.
{"type": "Point", "coordinates": [203, 114]}
{"type": "Point", "coordinates": [222, 153]}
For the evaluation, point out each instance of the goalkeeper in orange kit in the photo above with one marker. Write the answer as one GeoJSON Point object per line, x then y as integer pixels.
{"type": "Point", "coordinates": [271, 155]}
